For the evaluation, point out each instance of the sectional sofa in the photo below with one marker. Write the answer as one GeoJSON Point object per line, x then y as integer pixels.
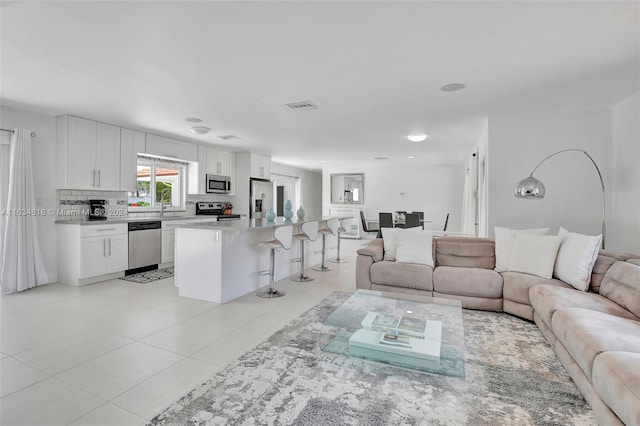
{"type": "Point", "coordinates": [595, 334]}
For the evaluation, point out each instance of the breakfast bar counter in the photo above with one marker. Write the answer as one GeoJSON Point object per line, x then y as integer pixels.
{"type": "Point", "coordinates": [221, 261]}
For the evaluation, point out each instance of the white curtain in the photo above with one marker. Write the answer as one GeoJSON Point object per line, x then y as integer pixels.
{"type": "Point", "coordinates": [22, 263]}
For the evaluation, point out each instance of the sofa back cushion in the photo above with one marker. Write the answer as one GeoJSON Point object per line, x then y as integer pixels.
{"type": "Point", "coordinates": [603, 263]}
{"type": "Point", "coordinates": [468, 252]}
{"type": "Point", "coordinates": [621, 284]}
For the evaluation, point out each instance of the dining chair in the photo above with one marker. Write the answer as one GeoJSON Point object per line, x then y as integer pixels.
{"type": "Point", "coordinates": [412, 220]}
{"type": "Point", "coordinates": [421, 217]}
{"type": "Point", "coordinates": [386, 221]}
{"type": "Point", "coordinates": [365, 227]}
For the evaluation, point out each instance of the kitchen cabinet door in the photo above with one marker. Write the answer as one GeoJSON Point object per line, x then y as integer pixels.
{"type": "Point", "coordinates": [94, 256]}
{"type": "Point", "coordinates": [168, 245]}
{"type": "Point", "coordinates": [171, 148]}
{"type": "Point", "coordinates": [81, 151]}
{"type": "Point", "coordinates": [217, 162]}
{"type": "Point", "coordinates": [131, 143]}
{"type": "Point", "coordinates": [117, 253]}
{"type": "Point", "coordinates": [108, 157]}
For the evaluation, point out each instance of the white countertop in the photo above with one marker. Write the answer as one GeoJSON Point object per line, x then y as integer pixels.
{"type": "Point", "coordinates": [255, 224]}
{"type": "Point", "coordinates": [126, 219]}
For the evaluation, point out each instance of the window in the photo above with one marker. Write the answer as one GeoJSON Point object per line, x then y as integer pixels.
{"type": "Point", "coordinates": [159, 182]}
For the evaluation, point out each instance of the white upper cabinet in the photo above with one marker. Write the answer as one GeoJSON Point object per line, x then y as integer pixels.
{"type": "Point", "coordinates": [260, 166]}
{"type": "Point", "coordinates": [132, 142]}
{"type": "Point", "coordinates": [171, 148]}
{"type": "Point", "coordinates": [217, 162]}
{"type": "Point", "coordinates": [88, 154]}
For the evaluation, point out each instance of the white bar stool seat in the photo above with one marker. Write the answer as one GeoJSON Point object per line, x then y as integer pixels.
{"type": "Point", "coordinates": [309, 232]}
{"type": "Point", "coordinates": [344, 224]}
{"type": "Point", "coordinates": [282, 238]}
{"type": "Point", "coordinates": [329, 227]}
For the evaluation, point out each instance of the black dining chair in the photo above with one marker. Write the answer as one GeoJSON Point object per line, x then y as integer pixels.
{"type": "Point", "coordinates": [412, 220]}
{"type": "Point", "coordinates": [386, 221]}
{"type": "Point", "coordinates": [421, 217]}
{"type": "Point", "coordinates": [365, 227]}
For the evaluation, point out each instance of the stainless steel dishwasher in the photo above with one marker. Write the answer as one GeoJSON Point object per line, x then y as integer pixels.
{"type": "Point", "coordinates": [145, 246]}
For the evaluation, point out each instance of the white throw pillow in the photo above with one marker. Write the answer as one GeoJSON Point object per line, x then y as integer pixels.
{"type": "Point", "coordinates": [389, 243]}
{"type": "Point", "coordinates": [534, 254]}
{"type": "Point", "coordinates": [414, 246]}
{"type": "Point", "coordinates": [504, 238]}
{"type": "Point", "coordinates": [576, 257]}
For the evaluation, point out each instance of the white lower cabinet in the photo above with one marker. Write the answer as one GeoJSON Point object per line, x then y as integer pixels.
{"type": "Point", "coordinates": [169, 236]}
{"type": "Point", "coordinates": [91, 253]}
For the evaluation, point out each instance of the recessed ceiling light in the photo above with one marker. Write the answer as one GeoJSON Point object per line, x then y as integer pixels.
{"type": "Point", "coordinates": [193, 120]}
{"type": "Point", "coordinates": [453, 87]}
{"type": "Point", "coordinates": [380, 158]}
{"type": "Point", "coordinates": [200, 130]}
{"type": "Point", "coordinates": [411, 156]}
{"type": "Point", "coordinates": [417, 137]}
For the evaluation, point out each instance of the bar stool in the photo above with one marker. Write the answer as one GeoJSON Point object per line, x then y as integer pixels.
{"type": "Point", "coordinates": [330, 227]}
{"type": "Point", "coordinates": [309, 233]}
{"type": "Point", "coordinates": [282, 238]}
{"type": "Point", "coordinates": [345, 223]}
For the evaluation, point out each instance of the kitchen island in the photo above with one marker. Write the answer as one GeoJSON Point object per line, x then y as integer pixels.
{"type": "Point", "coordinates": [221, 261]}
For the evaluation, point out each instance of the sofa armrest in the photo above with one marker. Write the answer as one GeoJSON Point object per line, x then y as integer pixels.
{"type": "Point", "coordinates": [375, 249]}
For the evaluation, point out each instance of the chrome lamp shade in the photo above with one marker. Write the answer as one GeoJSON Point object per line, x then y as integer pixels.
{"type": "Point", "coordinates": [530, 188]}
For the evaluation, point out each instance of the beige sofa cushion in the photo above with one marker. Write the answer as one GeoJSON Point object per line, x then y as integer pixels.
{"type": "Point", "coordinates": [468, 252]}
{"type": "Point", "coordinates": [476, 282]}
{"type": "Point", "coordinates": [586, 333]}
{"type": "Point", "coordinates": [616, 379]}
{"type": "Point", "coordinates": [634, 261]}
{"type": "Point", "coordinates": [516, 285]}
{"type": "Point", "coordinates": [405, 275]}
{"type": "Point", "coordinates": [603, 263]}
{"type": "Point", "coordinates": [546, 300]}
{"type": "Point", "coordinates": [621, 284]}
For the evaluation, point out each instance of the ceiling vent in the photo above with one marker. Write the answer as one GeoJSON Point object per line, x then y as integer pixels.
{"type": "Point", "coordinates": [227, 137]}
{"type": "Point", "coordinates": [302, 106]}
{"type": "Point", "coordinates": [380, 158]}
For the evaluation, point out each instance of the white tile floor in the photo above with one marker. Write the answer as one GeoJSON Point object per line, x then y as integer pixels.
{"type": "Point", "coordinates": [118, 353]}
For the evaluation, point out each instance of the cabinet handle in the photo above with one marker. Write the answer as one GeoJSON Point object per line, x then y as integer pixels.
{"type": "Point", "coordinates": [99, 180]}
{"type": "Point", "coordinates": [109, 246]}
{"type": "Point", "coordinates": [219, 167]}
{"type": "Point", "coordinates": [94, 177]}
{"type": "Point", "coordinates": [106, 229]}
{"type": "Point", "coordinates": [104, 247]}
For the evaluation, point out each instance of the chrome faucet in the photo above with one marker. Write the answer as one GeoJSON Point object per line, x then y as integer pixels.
{"type": "Point", "coordinates": [162, 203]}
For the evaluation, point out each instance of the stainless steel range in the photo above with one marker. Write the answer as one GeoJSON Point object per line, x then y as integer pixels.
{"type": "Point", "coordinates": [214, 209]}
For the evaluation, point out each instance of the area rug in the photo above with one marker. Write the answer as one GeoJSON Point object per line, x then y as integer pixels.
{"type": "Point", "coordinates": [512, 377]}
{"type": "Point", "coordinates": [149, 276]}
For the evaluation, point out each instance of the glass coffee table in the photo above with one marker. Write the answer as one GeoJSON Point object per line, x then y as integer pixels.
{"type": "Point", "coordinates": [418, 332]}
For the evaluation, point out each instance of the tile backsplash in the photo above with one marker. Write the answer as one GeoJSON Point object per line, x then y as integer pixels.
{"type": "Point", "coordinates": [74, 204]}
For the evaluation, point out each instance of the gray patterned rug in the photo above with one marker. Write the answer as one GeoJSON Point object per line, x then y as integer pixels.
{"type": "Point", "coordinates": [149, 276]}
{"type": "Point", "coordinates": [512, 378]}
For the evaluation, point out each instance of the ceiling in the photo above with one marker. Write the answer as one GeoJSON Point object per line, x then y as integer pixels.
{"type": "Point", "coordinates": [373, 68]}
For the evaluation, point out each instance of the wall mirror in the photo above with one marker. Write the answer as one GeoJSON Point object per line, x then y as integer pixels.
{"type": "Point", "coordinates": [347, 188]}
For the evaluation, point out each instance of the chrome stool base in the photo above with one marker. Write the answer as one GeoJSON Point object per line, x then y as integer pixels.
{"type": "Point", "coordinates": [322, 268]}
{"type": "Point", "coordinates": [270, 293]}
{"type": "Point", "coordinates": [337, 260]}
{"type": "Point", "coordinates": [301, 278]}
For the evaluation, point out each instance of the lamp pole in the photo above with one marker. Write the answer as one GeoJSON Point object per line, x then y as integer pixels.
{"type": "Point", "coordinates": [532, 188]}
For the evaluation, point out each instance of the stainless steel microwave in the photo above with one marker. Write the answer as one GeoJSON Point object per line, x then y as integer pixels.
{"type": "Point", "coordinates": [215, 184]}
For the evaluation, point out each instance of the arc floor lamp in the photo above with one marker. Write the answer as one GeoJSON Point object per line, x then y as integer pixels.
{"type": "Point", "coordinates": [531, 188]}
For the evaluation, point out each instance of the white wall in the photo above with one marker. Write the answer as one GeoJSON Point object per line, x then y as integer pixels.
{"type": "Point", "coordinates": [44, 154]}
{"type": "Point", "coordinates": [573, 198]}
{"type": "Point", "coordinates": [624, 231]}
{"type": "Point", "coordinates": [310, 187]}
{"type": "Point", "coordinates": [436, 190]}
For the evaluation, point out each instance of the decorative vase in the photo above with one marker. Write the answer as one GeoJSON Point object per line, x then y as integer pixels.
{"type": "Point", "coordinates": [300, 212]}
{"type": "Point", "coordinates": [288, 210]}
{"type": "Point", "coordinates": [271, 215]}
